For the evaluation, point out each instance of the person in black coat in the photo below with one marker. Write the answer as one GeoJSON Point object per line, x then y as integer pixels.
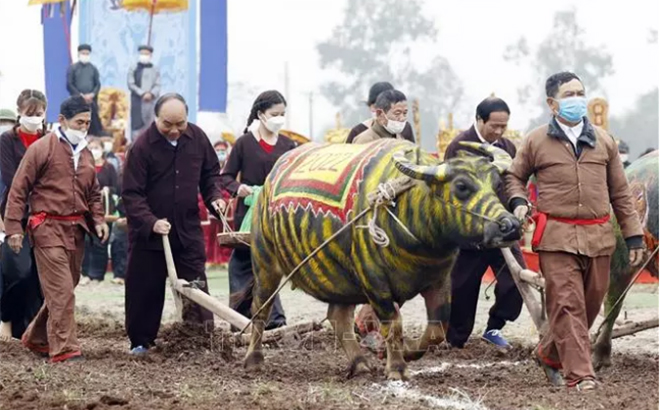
{"type": "Point", "coordinates": [20, 289]}
{"type": "Point", "coordinates": [166, 168]}
{"type": "Point", "coordinates": [471, 265]}
{"type": "Point", "coordinates": [253, 157]}
{"type": "Point", "coordinates": [82, 78]}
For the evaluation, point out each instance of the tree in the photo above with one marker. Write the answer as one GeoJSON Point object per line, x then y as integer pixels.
{"type": "Point", "coordinates": [563, 49]}
{"type": "Point", "coordinates": [378, 40]}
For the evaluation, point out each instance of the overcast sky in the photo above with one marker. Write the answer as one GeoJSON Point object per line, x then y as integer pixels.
{"type": "Point", "coordinates": [265, 34]}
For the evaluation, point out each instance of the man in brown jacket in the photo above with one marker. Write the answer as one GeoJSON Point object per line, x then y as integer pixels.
{"type": "Point", "coordinates": [58, 179]}
{"type": "Point", "coordinates": [391, 114]}
{"type": "Point", "coordinates": [580, 179]}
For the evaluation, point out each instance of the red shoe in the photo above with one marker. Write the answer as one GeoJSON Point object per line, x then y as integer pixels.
{"type": "Point", "coordinates": [38, 350]}
{"type": "Point", "coordinates": [68, 357]}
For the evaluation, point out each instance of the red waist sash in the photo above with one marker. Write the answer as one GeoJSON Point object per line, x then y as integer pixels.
{"type": "Point", "coordinates": [541, 220]}
{"type": "Point", "coordinates": [39, 218]}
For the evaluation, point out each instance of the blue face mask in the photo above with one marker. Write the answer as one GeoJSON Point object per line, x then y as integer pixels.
{"type": "Point", "coordinates": [222, 155]}
{"type": "Point", "coordinates": [572, 109]}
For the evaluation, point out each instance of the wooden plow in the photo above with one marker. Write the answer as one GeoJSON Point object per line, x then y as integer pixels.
{"type": "Point", "coordinates": [528, 281]}
{"type": "Point", "coordinates": [183, 288]}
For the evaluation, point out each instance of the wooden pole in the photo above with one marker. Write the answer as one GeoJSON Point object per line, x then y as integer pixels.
{"type": "Point", "coordinates": [151, 20]}
{"type": "Point", "coordinates": [171, 274]}
{"type": "Point", "coordinates": [633, 328]}
{"type": "Point", "coordinates": [417, 122]}
{"type": "Point", "coordinates": [533, 305]}
{"type": "Point", "coordinates": [182, 287]}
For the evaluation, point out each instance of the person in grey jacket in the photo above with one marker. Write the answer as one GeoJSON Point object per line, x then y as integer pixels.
{"type": "Point", "coordinates": [144, 83]}
{"type": "Point", "coordinates": [82, 78]}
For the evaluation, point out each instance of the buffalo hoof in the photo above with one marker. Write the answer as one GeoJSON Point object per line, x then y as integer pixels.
{"type": "Point", "coordinates": [602, 356]}
{"type": "Point", "coordinates": [358, 367]}
{"type": "Point", "coordinates": [397, 373]}
{"type": "Point", "coordinates": [253, 361]}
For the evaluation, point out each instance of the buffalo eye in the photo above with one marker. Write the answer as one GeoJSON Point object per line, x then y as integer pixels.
{"type": "Point", "coordinates": [462, 190]}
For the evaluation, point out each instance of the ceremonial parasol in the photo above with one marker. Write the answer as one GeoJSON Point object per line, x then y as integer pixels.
{"type": "Point", "coordinates": [153, 7]}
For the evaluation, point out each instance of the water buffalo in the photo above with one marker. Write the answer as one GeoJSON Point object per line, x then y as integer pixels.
{"type": "Point", "coordinates": [643, 179]}
{"type": "Point", "coordinates": [315, 190]}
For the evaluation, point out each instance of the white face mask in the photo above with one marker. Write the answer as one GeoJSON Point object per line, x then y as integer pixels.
{"type": "Point", "coordinates": [84, 58]}
{"type": "Point", "coordinates": [107, 146]}
{"type": "Point", "coordinates": [275, 124]}
{"type": "Point", "coordinates": [97, 153]}
{"type": "Point", "coordinates": [31, 123]}
{"type": "Point", "coordinates": [624, 157]}
{"type": "Point", "coordinates": [144, 58]}
{"type": "Point", "coordinates": [75, 136]}
{"type": "Point", "coordinates": [395, 127]}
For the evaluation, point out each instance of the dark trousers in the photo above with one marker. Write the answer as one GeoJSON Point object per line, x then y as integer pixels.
{"type": "Point", "coordinates": [241, 284]}
{"type": "Point", "coordinates": [95, 263]}
{"type": "Point", "coordinates": [466, 279]}
{"type": "Point", "coordinates": [21, 296]}
{"type": "Point", "coordinates": [145, 289]}
{"type": "Point", "coordinates": [119, 252]}
{"type": "Point", "coordinates": [95, 127]}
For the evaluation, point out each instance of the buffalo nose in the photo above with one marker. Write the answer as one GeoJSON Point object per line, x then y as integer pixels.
{"type": "Point", "coordinates": [509, 228]}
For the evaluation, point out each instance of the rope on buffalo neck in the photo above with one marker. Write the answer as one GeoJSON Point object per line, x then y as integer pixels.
{"type": "Point", "coordinates": [386, 192]}
{"type": "Point", "coordinates": [386, 195]}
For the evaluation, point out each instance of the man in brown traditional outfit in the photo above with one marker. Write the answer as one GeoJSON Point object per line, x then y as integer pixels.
{"type": "Point", "coordinates": [58, 180]}
{"type": "Point", "coordinates": [391, 115]}
{"type": "Point", "coordinates": [579, 175]}
{"type": "Point", "coordinates": [166, 168]}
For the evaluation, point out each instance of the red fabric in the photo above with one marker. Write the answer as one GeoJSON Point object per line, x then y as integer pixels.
{"type": "Point", "coordinates": [39, 218]}
{"type": "Point", "coordinates": [65, 356]}
{"type": "Point", "coordinates": [211, 227]}
{"type": "Point", "coordinates": [98, 168]}
{"type": "Point", "coordinates": [27, 139]}
{"type": "Point", "coordinates": [266, 146]}
{"type": "Point", "coordinates": [541, 220]}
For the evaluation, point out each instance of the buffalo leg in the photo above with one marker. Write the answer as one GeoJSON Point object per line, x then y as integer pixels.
{"type": "Point", "coordinates": [341, 318]}
{"type": "Point", "coordinates": [438, 308]}
{"type": "Point", "coordinates": [392, 332]}
{"type": "Point", "coordinates": [602, 350]}
{"type": "Point", "coordinates": [266, 283]}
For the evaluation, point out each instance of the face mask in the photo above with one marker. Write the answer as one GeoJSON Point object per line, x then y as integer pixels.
{"type": "Point", "coordinates": [274, 124]}
{"type": "Point", "coordinates": [624, 157]}
{"type": "Point", "coordinates": [31, 123]}
{"type": "Point", "coordinates": [97, 153]}
{"type": "Point", "coordinates": [75, 136]}
{"type": "Point", "coordinates": [144, 59]}
{"type": "Point", "coordinates": [84, 58]}
{"type": "Point", "coordinates": [107, 146]}
{"type": "Point", "coordinates": [222, 155]}
{"type": "Point", "coordinates": [395, 127]}
{"type": "Point", "coordinates": [572, 109]}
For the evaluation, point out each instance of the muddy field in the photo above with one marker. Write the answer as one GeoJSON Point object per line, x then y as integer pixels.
{"type": "Point", "coordinates": [193, 369]}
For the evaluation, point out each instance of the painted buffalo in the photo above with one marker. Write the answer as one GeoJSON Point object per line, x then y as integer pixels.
{"type": "Point", "coordinates": [643, 180]}
{"type": "Point", "coordinates": [315, 190]}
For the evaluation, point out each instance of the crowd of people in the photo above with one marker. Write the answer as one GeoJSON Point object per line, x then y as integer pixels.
{"type": "Point", "coordinates": [70, 204]}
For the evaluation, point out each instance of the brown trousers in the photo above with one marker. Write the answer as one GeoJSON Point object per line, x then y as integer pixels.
{"type": "Point", "coordinates": [59, 272]}
{"type": "Point", "coordinates": [575, 288]}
